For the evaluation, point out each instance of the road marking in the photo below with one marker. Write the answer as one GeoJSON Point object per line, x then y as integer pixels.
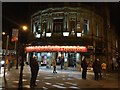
{"type": "Point", "coordinates": [73, 87]}
{"type": "Point", "coordinates": [58, 86]}
{"type": "Point", "coordinates": [48, 83]}
{"type": "Point", "coordinates": [16, 81]}
{"type": "Point", "coordinates": [26, 86]}
{"type": "Point", "coordinates": [24, 80]}
{"type": "Point", "coordinates": [71, 83]}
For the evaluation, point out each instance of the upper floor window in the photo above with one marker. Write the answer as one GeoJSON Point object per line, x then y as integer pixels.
{"type": "Point", "coordinates": [44, 27]}
{"type": "Point", "coordinates": [72, 25]}
{"type": "Point", "coordinates": [97, 29]}
{"type": "Point", "coordinates": [38, 29]}
{"type": "Point", "coordinates": [86, 26]}
{"type": "Point", "coordinates": [58, 25]}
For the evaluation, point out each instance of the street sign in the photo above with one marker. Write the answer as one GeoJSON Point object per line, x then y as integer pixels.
{"type": "Point", "coordinates": [14, 35]}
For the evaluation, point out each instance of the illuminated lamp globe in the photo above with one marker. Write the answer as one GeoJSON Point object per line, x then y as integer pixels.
{"type": "Point", "coordinates": [24, 28]}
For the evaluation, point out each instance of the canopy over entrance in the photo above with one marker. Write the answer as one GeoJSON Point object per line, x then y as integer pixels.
{"type": "Point", "coordinates": [56, 49]}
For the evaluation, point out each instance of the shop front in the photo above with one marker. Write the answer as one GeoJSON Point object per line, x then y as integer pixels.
{"type": "Point", "coordinates": [72, 55]}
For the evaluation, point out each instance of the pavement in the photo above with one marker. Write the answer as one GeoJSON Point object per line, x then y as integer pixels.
{"type": "Point", "coordinates": [64, 79]}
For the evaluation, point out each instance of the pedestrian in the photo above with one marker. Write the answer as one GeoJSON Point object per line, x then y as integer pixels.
{"type": "Point", "coordinates": [96, 69]}
{"type": "Point", "coordinates": [103, 65]}
{"type": "Point", "coordinates": [8, 65]}
{"type": "Point", "coordinates": [54, 65]}
{"type": "Point", "coordinates": [100, 68]}
{"type": "Point", "coordinates": [84, 66]}
{"type": "Point", "coordinates": [74, 63]}
{"type": "Point", "coordinates": [62, 62]}
{"type": "Point", "coordinates": [34, 71]}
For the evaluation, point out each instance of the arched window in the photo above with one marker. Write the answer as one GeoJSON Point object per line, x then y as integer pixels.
{"type": "Point", "coordinates": [86, 26]}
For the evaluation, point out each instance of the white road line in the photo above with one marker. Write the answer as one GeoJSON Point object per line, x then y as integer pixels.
{"type": "Point", "coordinates": [71, 83]}
{"type": "Point", "coordinates": [58, 86]}
{"type": "Point", "coordinates": [73, 87]}
{"type": "Point", "coordinates": [48, 83]}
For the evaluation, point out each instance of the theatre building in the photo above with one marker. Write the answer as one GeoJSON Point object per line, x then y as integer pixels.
{"type": "Point", "coordinates": [72, 32]}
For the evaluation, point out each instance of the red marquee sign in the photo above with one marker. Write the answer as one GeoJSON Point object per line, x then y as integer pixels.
{"type": "Point", "coordinates": [56, 49]}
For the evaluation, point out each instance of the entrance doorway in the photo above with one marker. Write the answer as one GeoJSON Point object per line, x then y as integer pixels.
{"type": "Point", "coordinates": [72, 59]}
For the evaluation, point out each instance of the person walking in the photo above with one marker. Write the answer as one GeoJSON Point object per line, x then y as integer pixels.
{"type": "Point", "coordinates": [84, 66]}
{"type": "Point", "coordinates": [34, 71]}
{"type": "Point", "coordinates": [54, 65]}
{"type": "Point", "coordinates": [96, 69]}
{"type": "Point", "coordinates": [103, 65]}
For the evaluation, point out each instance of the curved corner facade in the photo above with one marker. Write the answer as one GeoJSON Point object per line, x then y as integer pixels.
{"type": "Point", "coordinates": [69, 26]}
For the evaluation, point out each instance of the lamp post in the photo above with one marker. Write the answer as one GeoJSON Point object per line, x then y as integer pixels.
{"type": "Point", "coordinates": [24, 28]}
{"type": "Point", "coordinates": [22, 61]}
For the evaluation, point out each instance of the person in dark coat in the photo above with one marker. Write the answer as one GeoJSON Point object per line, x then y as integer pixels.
{"type": "Point", "coordinates": [96, 69]}
{"type": "Point", "coordinates": [62, 62]}
{"type": "Point", "coordinates": [84, 66]}
{"type": "Point", "coordinates": [100, 69]}
{"type": "Point", "coordinates": [34, 71]}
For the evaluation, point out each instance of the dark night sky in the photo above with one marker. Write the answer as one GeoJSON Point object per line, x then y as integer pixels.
{"type": "Point", "coordinates": [18, 13]}
{"type": "Point", "coordinates": [14, 15]}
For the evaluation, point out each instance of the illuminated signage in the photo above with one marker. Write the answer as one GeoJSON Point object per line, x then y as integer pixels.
{"type": "Point", "coordinates": [56, 49]}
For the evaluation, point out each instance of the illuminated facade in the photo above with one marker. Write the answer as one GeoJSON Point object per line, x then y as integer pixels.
{"type": "Point", "coordinates": [68, 26]}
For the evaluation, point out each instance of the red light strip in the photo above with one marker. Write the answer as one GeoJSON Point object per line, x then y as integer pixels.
{"type": "Point", "coordinates": [56, 49]}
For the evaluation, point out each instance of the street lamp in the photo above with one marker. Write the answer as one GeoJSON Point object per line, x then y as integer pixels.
{"type": "Point", "coordinates": [22, 28]}
{"type": "Point", "coordinates": [3, 33]}
{"type": "Point", "coordinates": [22, 60]}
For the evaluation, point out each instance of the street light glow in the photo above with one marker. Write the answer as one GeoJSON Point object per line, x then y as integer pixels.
{"type": "Point", "coordinates": [3, 33]}
{"type": "Point", "coordinates": [25, 28]}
